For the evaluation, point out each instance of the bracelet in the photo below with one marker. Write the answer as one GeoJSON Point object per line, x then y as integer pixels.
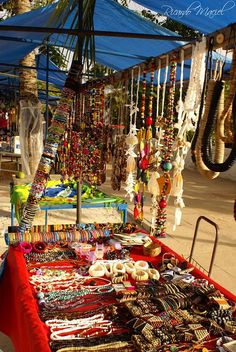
{"type": "Point", "coordinates": [92, 284]}
{"type": "Point", "coordinates": [141, 265]}
{"type": "Point", "coordinates": [39, 247]}
{"type": "Point", "coordinates": [108, 267]}
{"type": "Point", "coordinates": [97, 270]}
{"type": "Point", "coordinates": [140, 275]}
{"type": "Point", "coordinates": [118, 268]}
{"type": "Point", "coordinates": [129, 267]}
{"type": "Point", "coordinates": [25, 247]}
{"type": "Point", "coordinates": [230, 326]}
{"type": "Point", "coordinates": [153, 274]}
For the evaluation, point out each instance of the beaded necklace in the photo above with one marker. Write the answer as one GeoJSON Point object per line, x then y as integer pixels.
{"type": "Point", "coordinates": [82, 150]}
{"type": "Point", "coordinates": [131, 139]}
{"type": "Point", "coordinates": [166, 153]}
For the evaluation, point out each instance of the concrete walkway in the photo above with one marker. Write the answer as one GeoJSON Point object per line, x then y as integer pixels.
{"type": "Point", "coordinates": [213, 199]}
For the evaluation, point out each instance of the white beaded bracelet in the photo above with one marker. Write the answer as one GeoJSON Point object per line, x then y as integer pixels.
{"type": "Point", "coordinates": [129, 267]}
{"type": "Point", "coordinates": [153, 274]}
{"type": "Point", "coordinates": [118, 268]}
{"type": "Point", "coordinates": [108, 267]}
{"type": "Point", "coordinates": [141, 265]}
{"type": "Point", "coordinates": [97, 270]}
{"type": "Point", "coordinates": [140, 275]}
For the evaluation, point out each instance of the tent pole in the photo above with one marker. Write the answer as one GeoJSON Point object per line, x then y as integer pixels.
{"type": "Point", "coordinates": [32, 68]}
{"type": "Point", "coordinates": [47, 86]}
{"type": "Point", "coordinates": [80, 63]}
{"type": "Point", "coordinates": [82, 33]}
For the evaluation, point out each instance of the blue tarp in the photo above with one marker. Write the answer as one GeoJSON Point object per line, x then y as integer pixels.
{"type": "Point", "coordinates": [116, 53]}
{"type": "Point", "coordinates": [56, 78]}
{"type": "Point", "coordinates": [205, 16]}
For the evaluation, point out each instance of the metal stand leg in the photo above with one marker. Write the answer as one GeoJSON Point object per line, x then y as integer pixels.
{"type": "Point", "coordinates": [12, 214]}
{"type": "Point", "coordinates": [46, 217]}
{"type": "Point", "coordinates": [125, 216]}
{"type": "Point", "coordinates": [78, 207]}
{"type": "Point", "coordinates": [215, 243]}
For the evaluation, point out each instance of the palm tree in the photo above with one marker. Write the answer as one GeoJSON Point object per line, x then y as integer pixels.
{"type": "Point", "coordinates": [29, 108]}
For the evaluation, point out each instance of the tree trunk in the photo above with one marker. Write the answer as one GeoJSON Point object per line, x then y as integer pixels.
{"type": "Point", "coordinates": [30, 117]}
{"type": "Point", "coordinates": [21, 6]}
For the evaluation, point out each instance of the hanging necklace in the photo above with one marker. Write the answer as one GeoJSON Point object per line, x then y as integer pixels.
{"type": "Point", "coordinates": [230, 109]}
{"type": "Point", "coordinates": [131, 139]}
{"type": "Point", "coordinates": [119, 158]}
{"type": "Point", "coordinates": [166, 153]}
{"type": "Point", "coordinates": [142, 161]}
{"type": "Point", "coordinates": [153, 186]}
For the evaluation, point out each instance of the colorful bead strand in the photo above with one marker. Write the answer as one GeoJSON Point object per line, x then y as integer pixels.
{"type": "Point", "coordinates": [167, 154]}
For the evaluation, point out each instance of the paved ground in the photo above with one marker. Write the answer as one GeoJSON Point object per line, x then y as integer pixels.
{"type": "Point", "coordinates": [213, 199]}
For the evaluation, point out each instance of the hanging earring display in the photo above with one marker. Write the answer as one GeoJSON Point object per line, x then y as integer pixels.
{"type": "Point", "coordinates": [166, 154]}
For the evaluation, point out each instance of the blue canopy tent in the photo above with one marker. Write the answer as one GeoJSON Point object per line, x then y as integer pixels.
{"type": "Point", "coordinates": [116, 53]}
{"type": "Point", "coordinates": [205, 16]}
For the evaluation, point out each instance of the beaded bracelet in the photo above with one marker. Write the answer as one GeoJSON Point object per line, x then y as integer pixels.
{"type": "Point", "coordinates": [230, 326]}
{"type": "Point", "coordinates": [39, 247]}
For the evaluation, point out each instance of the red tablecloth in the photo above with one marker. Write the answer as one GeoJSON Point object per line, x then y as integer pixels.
{"type": "Point", "coordinates": [18, 308]}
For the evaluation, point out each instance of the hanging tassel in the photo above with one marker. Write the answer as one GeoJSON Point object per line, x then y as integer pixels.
{"type": "Point", "coordinates": [131, 164]}
{"type": "Point", "coordinates": [136, 213]}
{"type": "Point", "coordinates": [153, 186]}
{"type": "Point", "coordinates": [141, 215]}
{"type": "Point", "coordinates": [177, 184]}
{"type": "Point", "coordinates": [148, 134]}
{"type": "Point", "coordinates": [178, 217]}
{"type": "Point", "coordinates": [179, 205]}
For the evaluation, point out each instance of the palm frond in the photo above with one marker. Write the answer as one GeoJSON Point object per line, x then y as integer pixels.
{"type": "Point", "coordinates": [68, 15]}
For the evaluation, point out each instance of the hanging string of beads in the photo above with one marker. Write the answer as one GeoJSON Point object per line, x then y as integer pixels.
{"type": "Point", "coordinates": [153, 186]}
{"type": "Point", "coordinates": [82, 150]}
{"type": "Point", "coordinates": [166, 154]}
{"type": "Point", "coordinates": [131, 139]}
{"type": "Point", "coordinates": [119, 155]}
{"type": "Point", "coordinates": [156, 181]}
{"type": "Point", "coordinates": [188, 111]}
{"type": "Point", "coordinates": [144, 138]}
{"type": "Point", "coordinates": [149, 119]}
{"type": "Point", "coordinates": [180, 151]}
{"type": "Point", "coordinates": [142, 162]}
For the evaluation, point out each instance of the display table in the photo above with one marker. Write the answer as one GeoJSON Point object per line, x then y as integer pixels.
{"type": "Point", "coordinates": [11, 156]}
{"type": "Point", "coordinates": [91, 198]}
{"type": "Point", "coordinates": [19, 311]}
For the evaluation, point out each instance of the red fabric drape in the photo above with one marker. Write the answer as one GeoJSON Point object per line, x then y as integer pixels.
{"type": "Point", "coordinates": [18, 308]}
